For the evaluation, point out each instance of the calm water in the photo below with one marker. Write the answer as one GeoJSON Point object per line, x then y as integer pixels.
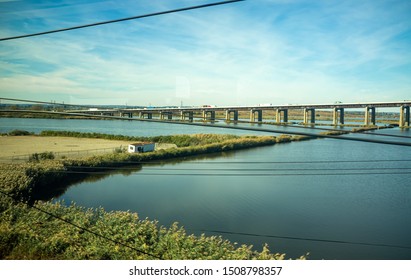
{"type": "Point", "coordinates": [335, 199]}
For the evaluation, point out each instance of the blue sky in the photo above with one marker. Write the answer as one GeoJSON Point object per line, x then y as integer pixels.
{"type": "Point", "coordinates": [246, 53]}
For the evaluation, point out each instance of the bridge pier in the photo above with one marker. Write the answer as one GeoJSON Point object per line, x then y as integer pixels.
{"type": "Point", "coordinates": [278, 115]}
{"type": "Point", "coordinates": [404, 116]}
{"type": "Point", "coordinates": [335, 116]}
{"type": "Point", "coordinates": [149, 115]}
{"type": "Point", "coordinates": [164, 114]}
{"type": "Point", "coordinates": [309, 113]}
{"type": "Point", "coordinates": [205, 114]}
{"type": "Point", "coordinates": [123, 114]}
{"type": "Point", "coordinates": [190, 115]}
{"type": "Point", "coordinates": [228, 115]}
{"type": "Point", "coordinates": [259, 113]}
{"type": "Point", "coordinates": [109, 114]}
{"type": "Point", "coordinates": [367, 115]}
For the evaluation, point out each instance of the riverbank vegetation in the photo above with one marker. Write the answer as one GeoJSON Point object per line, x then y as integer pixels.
{"type": "Point", "coordinates": [30, 233]}
{"type": "Point", "coordinates": [35, 229]}
{"type": "Point", "coordinates": [17, 132]}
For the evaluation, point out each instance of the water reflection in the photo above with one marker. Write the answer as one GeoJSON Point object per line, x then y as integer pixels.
{"type": "Point", "coordinates": [366, 208]}
{"type": "Point", "coordinates": [77, 176]}
{"type": "Point", "coordinates": [83, 175]}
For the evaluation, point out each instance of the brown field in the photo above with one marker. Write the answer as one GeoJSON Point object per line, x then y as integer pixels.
{"type": "Point", "coordinates": [20, 147]}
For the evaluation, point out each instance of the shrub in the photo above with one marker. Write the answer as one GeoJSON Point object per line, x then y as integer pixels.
{"type": "Point", "coordinates": [18, 132]}
{"type": "Point", "coordinates": [120, 150]}
{"type": "Point", "coordinates": [26, 233]}
{"type": "Point", "coordinates": [41, 156]}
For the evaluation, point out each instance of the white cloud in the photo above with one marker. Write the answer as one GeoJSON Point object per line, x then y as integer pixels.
{"type": "Point", "coordinates": [284, 54]}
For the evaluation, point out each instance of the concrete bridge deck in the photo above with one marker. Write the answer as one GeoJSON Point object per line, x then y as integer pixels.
{"type": "Point", "coordinates": [256, 112]}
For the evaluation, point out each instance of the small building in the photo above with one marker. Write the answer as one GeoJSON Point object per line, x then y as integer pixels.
{"type": "Point", "coordinates": [141, 147]}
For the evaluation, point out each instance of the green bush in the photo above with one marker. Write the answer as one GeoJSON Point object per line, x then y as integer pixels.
{"type": "Point", "coordinates": [41, 156]}
{"type": "Point", "coordinates": [26, 233]}
{"type": "Point", "coordinates": [18, 132]}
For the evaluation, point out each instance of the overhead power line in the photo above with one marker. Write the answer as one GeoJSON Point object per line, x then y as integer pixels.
{"type": "Point", "coordinates": [45, 102]}
{"type": "Point", "coordinates": [307, 239]}
{"type": "Point", "coordinates": [256, 173]}
{"type": "Point", "coordinates": [119, 20]}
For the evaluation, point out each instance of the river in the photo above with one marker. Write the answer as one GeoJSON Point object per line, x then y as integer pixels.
{"type": "Point", "coordinates": [335, 199]}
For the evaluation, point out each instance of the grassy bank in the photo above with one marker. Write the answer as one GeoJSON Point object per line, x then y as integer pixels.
{"type": "Point", "coordinates": [181, 140]}
{"type": "Point", "coordinates": [32, 229]}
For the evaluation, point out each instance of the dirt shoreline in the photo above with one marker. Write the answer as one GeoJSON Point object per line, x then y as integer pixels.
{"type": "Point", "coordinates": [20, 146]}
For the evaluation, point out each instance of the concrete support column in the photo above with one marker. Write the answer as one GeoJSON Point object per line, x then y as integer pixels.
{"type": "Point", "coordinates": [235, 115]}
{"type": "Point", "coordinates": [212, 116]}
{"type": "Point", "coordinates": [123, 114]}
{"type": "Point", "coordinates": [285, 119]}
{"type": "Point", "coordinates": [164, 114]}
{"type": "Point", "coordinates": [149, 115]}
{"type": "Point", "coordinates": [143, 114]}
{"type": "Point", "coordinates": [367, 115]}
{"type": "Point", "coordinates": [305, 116]}
{"type": "Point", "coordinates": [307, 112]}
{"type": "Point", "coordinates": [404, 116]}
{"type": "Point", "coordinates": [228, 115]}
{"type": "Point", "coordinates": [205, 114]}
{"type": "Point", "coordinates": [277, 116]}
{"type": "Point", "coordinates": [259, 115]}
{"type": "Point", "coordinates": [342, 115]}
{"type": "Point", "coordinates": [312, 115]}
{"type": "Point", "coordinates": [335, 116]}
{"type": "Point", "coordinates": [190, 115]}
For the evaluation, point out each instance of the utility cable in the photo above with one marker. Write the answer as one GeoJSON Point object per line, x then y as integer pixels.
{"type": "Point", "coordinates": [238, 174]}
{"type": "Point", "coordinates": [367, 132]}
{"type": "Point", "coordinates": [119, 20]}
{"type": "Point", "coordinates": [47, 103]}
{"type": "Point", "coordinates": [248, 169]}
{"type": "Point", "coordinates": [307, 239]}
{"type": "Point", "coordinates": [80, 227]}
{"type": "Point", "coordinates": [156, 162]}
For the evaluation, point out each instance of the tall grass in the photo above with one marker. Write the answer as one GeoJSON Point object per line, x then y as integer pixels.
{"type": "Point", "coordinates": [182, 140]}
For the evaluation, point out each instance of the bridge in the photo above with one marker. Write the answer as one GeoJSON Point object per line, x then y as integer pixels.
{"type": "Point", "coordinates": [281, 112]}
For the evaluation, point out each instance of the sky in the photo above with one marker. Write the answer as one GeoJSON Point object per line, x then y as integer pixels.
{"type": "Point", "coordinates": [245, 53]}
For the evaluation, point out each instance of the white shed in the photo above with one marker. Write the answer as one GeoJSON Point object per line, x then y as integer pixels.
{"type": "Point", "coordinates": [141, 147]}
